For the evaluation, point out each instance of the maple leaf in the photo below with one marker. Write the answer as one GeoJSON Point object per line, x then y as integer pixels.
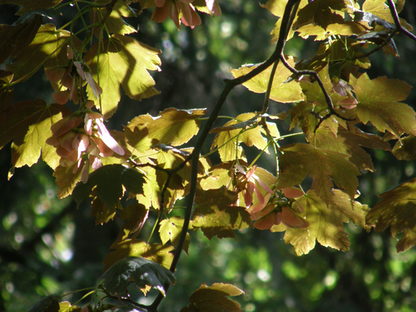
{"type": "Point", "coordinates": [108, 184]}
{"type": "Point", "coordinates": [170, 229]}
{"type": "Point", "coordinates": [380, 104]}
{"type": "Point", "coordinates": [326, 221]}
{"type": "Point", "coordinates": [28, 125]}
{"type": "Point", "coordinates": [47, 47]}
{"type": "Point", "coordinates": [350, 143]}
{"type": "Point", "coordinates": [228, 139]}
{"type": "Point", "coordinates": [215, 214]}
{"type": "Point", "coordinates": [115, 22]}
{"type": "Point", "coordinates": [299, 161]}
{"type": "Point", "coordinates": [123, 62]}
{"type": "Point", "coordinates": [396, 210]}
{"type": "Point", "coordinates": [283, 90]}
{"type": "Point", "coordinates": [214, 298]}
{"type": "Point", "coordinates": [173, 127]}
{"type": "Point", "coordinates": [378, 8]}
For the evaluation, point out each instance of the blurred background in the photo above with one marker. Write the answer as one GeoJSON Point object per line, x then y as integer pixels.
{"type": "Point", "coordinates": [48, 246]}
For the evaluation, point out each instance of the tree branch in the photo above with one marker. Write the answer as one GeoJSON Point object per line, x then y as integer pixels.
{"type": "Point", "coordinates": [396, 19]}
{"type": "Point", "coordinates": [229, 86]}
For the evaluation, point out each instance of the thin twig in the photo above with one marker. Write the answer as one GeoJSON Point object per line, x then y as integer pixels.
{"type": "Point", "coordinates": [328, 99]}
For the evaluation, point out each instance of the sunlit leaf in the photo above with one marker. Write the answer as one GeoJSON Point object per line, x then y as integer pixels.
{"type": "Point", "coordinates": [115, 22]}
{"type": "Point", "coordinates": [228, 141]}
{"type": "Point", "coordinates": [123, 62]}
{"type": "Point", "coordinates": [170, 229]}
{"type": "Point", "coordinates": [33, 145]}
{"type": "Point", "coordinates": [49, 45]}
{"type": "Point", "coordinates": [380, 104]}
{"type": "Point", "coordinates": [378, 8]}
{"type": "Point", "coordinates": [214, 298]}
{"type": "Point", "coordinates": [283, 89]}
{"type": "Point", "coordinates": [326, 221]}
{"type": "Point", "coordinates": [396, 210]}
{"type": "Point", "coordinates": [138, 271]}
{"type": "Point", "coordinates": [172, 127]}
{"type": "Point", "coordinates": [66, 306]}
{"type": "Point", "coordinates": [158, 253]}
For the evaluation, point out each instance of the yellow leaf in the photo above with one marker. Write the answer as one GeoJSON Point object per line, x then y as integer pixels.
{"type": "Point", "coordinates": [326, 221]}
{"type": "Point", "coordinates": [115, 22]}
{"type": "Point", "coordinates": [283, 90]}
{"type": "Point", "coordinates": [228, 141]}
{"type": "Point", "coordinates": [135, 248]}
{"type": "Point", "coordinates": [380, 104]}
{"type": "Point", "coordinates": [172, 127]}
{"type": "Point", "coordinates": [49, 45]}
{"type": "Point", "coordinates": [378, 8]}
{"type": "Point", "coordinates": [34, 144]}
{"type": "Point", "coordinates": [124, 61]}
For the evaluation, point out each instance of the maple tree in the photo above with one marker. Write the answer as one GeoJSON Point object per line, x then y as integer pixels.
{"type": "Point", "coordinates": [146, 173]}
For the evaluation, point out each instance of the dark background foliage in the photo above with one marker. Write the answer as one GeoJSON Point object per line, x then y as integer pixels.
{"type": "Point", "coordinates": [48, 246]}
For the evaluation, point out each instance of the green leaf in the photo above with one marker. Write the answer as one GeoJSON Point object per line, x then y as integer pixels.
{"type": "Point", "coordinates": [214, 298]}
{"type": "Point", "coordinates": [107, 182]}
{"type": "Point", "coordinates": [172, 127]}
{"type": "Point", "coordinates": [170, 229]}
{"type": "Point", "coordinates": [380, 104]}
{"type": "Point", "coordinates": [49, 45]}
{"type": "Point", "coordinates": [326, 221]}
{"type": "Point", "coordinates": [396, 210]}
{"type": "Point", "coordinates": [283, 89]}
{"type": "Point", "coordinates": [30, 5]}
{"type": "Point", "coordinates": [300, 160]}
{"type": "Point", "coordinates": [123, 62]}
{"type": "Point", "coordinates": [215, 215]}
{"type": "Point", "coordinates": [138, 271]}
